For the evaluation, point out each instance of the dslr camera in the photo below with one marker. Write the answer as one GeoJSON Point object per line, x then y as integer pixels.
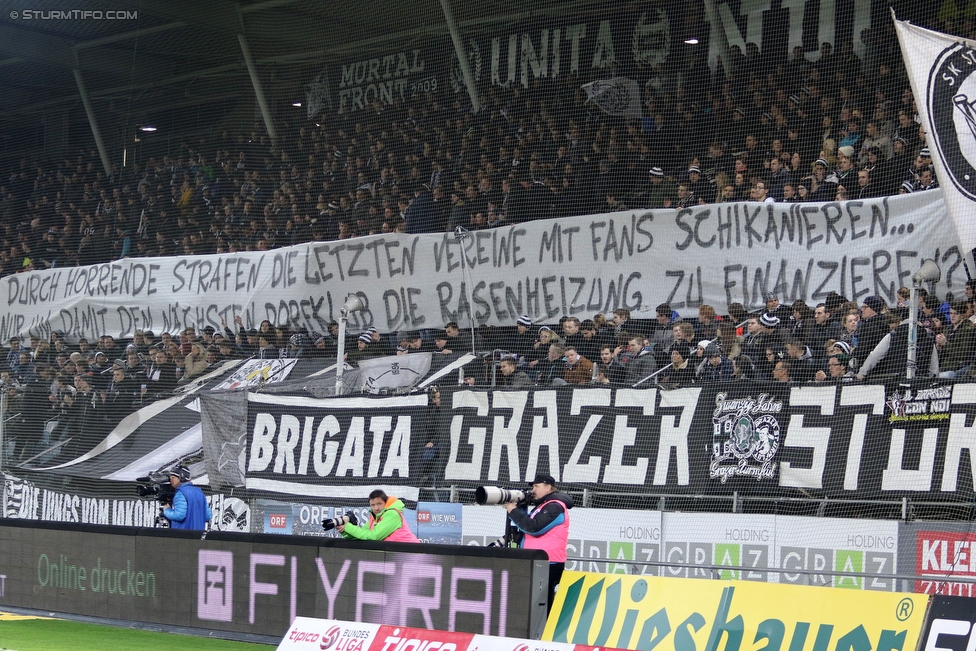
{"type": "Point", "coordinates": [494, 495]}
{"type": "Point", "coordinates": [331, 523]}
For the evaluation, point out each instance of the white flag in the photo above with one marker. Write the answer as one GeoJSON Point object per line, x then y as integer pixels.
{"type": "Point", "coordinates": [393, 371]}
{"type": "Point", "coordinates": [618, 96]}
{"type": "Point", "coordinates": [941, 71]}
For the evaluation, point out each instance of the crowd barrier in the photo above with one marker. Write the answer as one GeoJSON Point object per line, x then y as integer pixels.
{"type": "Point", "coordinates": [593, 610]}
{"type": "Point", "coordinates": [258, 584]}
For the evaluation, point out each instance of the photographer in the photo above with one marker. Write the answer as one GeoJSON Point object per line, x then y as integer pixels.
{"type": "Point", "coordinates": [545, 526]}
{"type": "Point", "coordinates": [190, 509]}
{"type": "Point", "coordinates": [386, 521]}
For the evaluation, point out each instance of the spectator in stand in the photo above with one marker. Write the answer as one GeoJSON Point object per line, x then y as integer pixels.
{"type": "Point", "coordinates": [195, 362]}
{"type": "Point", "coordinates": [611, 370]}
{"type": "Point", "coordinates": [551, 369]}
{"type": "Point", "coordinates": [873, 326]}
{"type": "Point", "coordinates": [662, 332]}
{"type": "Point", "coordinates": [578, 369]}
{"type": "Point", "coordinates": [683, 367]}
{"type": "Point", "coordinates": [717, 367]}
{"type": "Point", "coordinates": [510, 376]}
{"type": "Point", "coordinates": [802, 367]}
{"type": "Point", "coordinates": [957, 342]}
{"type": "Point", "coordinates": [706, 323]}
{"type": "Point", "coordinates": [639, 361]}
{"type": "Point", "coordinates": [837, 370]}
{"type": "Point", "coordinates": [781, 371]}
{"type": "Point", "coordinates": [522, 341]}
{"type": "Point", "coordinates": [590, 342]}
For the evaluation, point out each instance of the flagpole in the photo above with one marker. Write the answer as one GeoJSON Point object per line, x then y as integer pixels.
{"type": "Point", "coordinates": [461, 234]}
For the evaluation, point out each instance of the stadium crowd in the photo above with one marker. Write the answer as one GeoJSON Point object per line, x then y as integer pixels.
{"type": "Point", "coordinates": [87, 386]}
{"type": "Point", "coordinates": [751, 130]}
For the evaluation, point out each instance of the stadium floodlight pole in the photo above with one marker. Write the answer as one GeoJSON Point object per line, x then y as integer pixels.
{"type": "Point", "coordinates": [461, 55]}
{"type": "Point", "coordinates": [252, 70]}
{"type": "Point", "coordinates": [718, 43]}
{"type": "Point", "coordinates": [92, 122]}
{"type": "Point", "coordinates": [461, 234]}
{"type": "Point", "coordinates": [929, 272]}
{"type": "Point", "coordinates": [3, 451]}
{"type": "Point", "coordinates": [353, 304]}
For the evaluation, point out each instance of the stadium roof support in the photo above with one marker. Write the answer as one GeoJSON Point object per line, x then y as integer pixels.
{"type": "Point", "coordinates": [252, 70]}
{"type": "Point", "coordinates": [93, 122]}
{"type": "Point", "coordinates": [462, 55]}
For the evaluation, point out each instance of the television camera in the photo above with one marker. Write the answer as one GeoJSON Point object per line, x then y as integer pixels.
{"type": "Point", "coordinates": [156, 486]}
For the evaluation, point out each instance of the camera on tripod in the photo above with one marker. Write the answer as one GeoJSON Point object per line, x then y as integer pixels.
{"type": "Point", "coordinates": [156, 486]}
{"type": "Point", "coordinates": [495, 495]}
{"type": "Point", "coordinates": [331, 523]}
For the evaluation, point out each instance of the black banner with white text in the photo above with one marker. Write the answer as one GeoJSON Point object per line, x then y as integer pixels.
{"type": "Point", "coordinates": [857, 441]}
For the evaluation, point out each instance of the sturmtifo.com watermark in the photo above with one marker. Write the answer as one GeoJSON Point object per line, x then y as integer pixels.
{"type": "Point", "coordinates": [73, 14]}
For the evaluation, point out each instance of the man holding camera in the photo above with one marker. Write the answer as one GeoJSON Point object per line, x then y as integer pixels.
{"type": "Point", "coordinates": [386, 521]}
{"type": "Point", "coordinates": [545, 526]}
{"type": "Point", "coordinates": [189, 509]}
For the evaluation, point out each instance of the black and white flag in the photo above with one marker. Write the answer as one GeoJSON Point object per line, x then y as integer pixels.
{"type": "Point", "coordinates": [393, 372]}
{"type": "Point", "coordinates": [619, 96]}
{"type": "Point", "coordinates": [941, 71]}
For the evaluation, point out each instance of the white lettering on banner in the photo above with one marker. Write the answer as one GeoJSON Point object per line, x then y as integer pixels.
{"type": "Point", "coordinates": [589, 471]}
{"type": "Point", "coordinates": [278, 439]}
{"type": "Point", "coordinates": [579, 265]}
{"type": "Point", "coordinates": [755, 13]}
{"type": "Point", "coordinates": [390, 78]}
{"type": "Point", "coordinates": [25, 501]}
{"type": "Point", "coordinates": [470, 440]}
{"type": "Point", "coordinates": [896, 476]}
{"type": "Point", "coordinates": [621, 437]}
{"type": "Point", "coordinates": [816, 438]}
{"type": "Point", "coordinates": [961, 438]}
{"type": "Point", "coordinates": [645, 38]}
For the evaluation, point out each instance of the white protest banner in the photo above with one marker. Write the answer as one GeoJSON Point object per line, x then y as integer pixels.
{"type": "Point", "coordinates": [940, 69]}
{"type": "Point", "coordinates": [712, 254]}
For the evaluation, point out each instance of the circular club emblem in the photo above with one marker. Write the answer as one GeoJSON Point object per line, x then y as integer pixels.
{"type": "Point", "coordinates": [952, 112]}
{"type": "Point", "coordinates": [474, 60]}
{"type": "Point", "coordinates": [765, 438]}
{"type": "Point", "coordinates": [329, 638]}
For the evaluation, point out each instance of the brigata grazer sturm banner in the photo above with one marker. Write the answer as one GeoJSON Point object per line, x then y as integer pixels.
{"type": "Point", "coordinates": [857, 440]}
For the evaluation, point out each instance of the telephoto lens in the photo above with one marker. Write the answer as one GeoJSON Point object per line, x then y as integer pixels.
{"type": "Point", "coordinates": [331, 523]}
{"type": "Point", "coordinates": [495, 495]}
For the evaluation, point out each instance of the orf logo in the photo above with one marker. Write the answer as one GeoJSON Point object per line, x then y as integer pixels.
{"type": "Point", "coordinates": [329, 638]}
{"type": "Point", "coordinates": [952, 111]}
